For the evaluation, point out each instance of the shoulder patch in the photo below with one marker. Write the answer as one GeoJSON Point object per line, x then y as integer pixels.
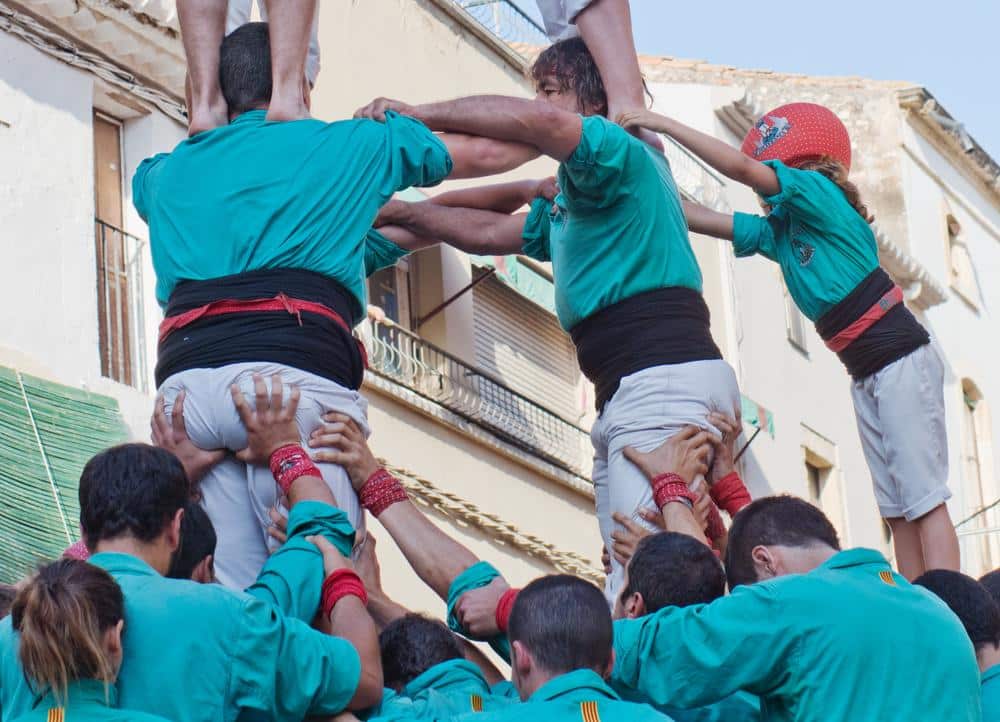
{"type": "Point", "coordinates": [887, 578]}
{"type": "Point", "coordinates": [589, 713]}
{"type": "Point", "coordinates": [57, 714]}
{"type": "Point", "coordinates": [477, 703]}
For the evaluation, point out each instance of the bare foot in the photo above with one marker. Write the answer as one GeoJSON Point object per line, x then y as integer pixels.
{"type": "Point", "coordinates": [287, 109]}
{"type": "Point", "coordinates": [206, 118]}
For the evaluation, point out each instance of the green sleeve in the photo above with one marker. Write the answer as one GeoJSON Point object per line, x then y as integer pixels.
{"type": "Point", "coordinates": [475, 577]}
{"type": "Point", "coordinates": [292, 577]}
{"type": "Point", "coordinates": [380, 252]}
{"type": "Point", "coordinates": [415, 156]}
{"type": "Point", "coordinates": [694, 656]}
{"type": "Point", "coordinates": [593, 176]}
{"type": "Point", "coordinates": [809, 195]}
{"type": "Point", "coordinates": [283, 669]}
{"type": "Point", "coordinates": [753, 235]}
{"type": "Point", "coordinates": [142, 183]}
{"type": "Point", "coordinates": [535, 233]}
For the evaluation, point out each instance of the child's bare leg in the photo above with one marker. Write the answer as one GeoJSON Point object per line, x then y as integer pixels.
{"type": "Point", "coordinates": [203, 25]}
{"type": "Point", "coordinates": [290, 26]}
{"type": "Point", "coordinates": [606, 28]}
{"type": "Point", "coordinates": [906, 543]}
{"type": "Point", "coordinates": [939, 540]}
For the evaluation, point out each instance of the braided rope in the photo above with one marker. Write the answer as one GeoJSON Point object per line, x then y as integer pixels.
{"type": "Point", "coordinates": [459, 509]}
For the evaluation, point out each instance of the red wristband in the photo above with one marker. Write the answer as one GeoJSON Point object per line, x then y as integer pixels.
{"type": "Point", "coordinates": [730, 494]}
{"type": "Point", "coordinates": [716, 528]}
{"type": "Point", "coordinates": [381, 491]}
{"type": "Point", "coordinates": [342, 583]}
{"type": "Point", "coordinates": [671, 487]}
{"type": "Point", "coordinates": [504, 607]}
{"type": "Point", "coordinates": [289, 463]}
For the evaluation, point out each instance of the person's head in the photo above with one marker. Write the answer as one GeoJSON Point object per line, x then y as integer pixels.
{"type": "Point", "coordinates": [669, 570]}
{"type": "Point", "coordinates": [559, 624]}
{"type": "Point", "coordinates": [775, 536]}
{"type": "Point", "coordinates": [134, 494]}
{"type": "Point", "coordinates": [566, 75]}
{"type": "Point", "coordinates": [194, 559]}
{"type": "Point", "coordinates": [7, 593]}
{"type": "Point", "coordinates": [971, 602]}
{"type": "Point", "coordinates": [245, 69]}
{"type": "Point", "coordinates": [70, 617]}
{"type": "Point", "coordinates": [411, 645]}
{"type": "Point", "coordinates": [992, 583]}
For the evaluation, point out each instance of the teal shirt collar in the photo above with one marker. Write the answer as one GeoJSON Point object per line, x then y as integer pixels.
{"type": "Point", "coordinates": [447, 676]}
{"type": "Point", "coordinates": [853, 558]}
{"type": "Point", "coordinates": [117, 563]}
{"type": "Point", "coordinates": [991, 673]}
{"type": "Point", "coordinates": [578, 685]}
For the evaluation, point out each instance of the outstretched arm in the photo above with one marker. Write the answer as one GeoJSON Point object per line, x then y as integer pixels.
{"type": "Point", "coordinates": [475, 156]}
{"type": "Point", "coordinates": [708, 222]}
{"type": "Point", "coordinates": [554, 132]}
{"type": "Point", "coordinates": [467, 229]}
{"type": "Point", "coordinates": [435, 557]}
{"type": "Point", "coordinates": [726, 159]}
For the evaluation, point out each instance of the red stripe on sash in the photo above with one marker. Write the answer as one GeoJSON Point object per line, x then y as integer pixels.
{"type": "Point", "coordinates": [879, 309]}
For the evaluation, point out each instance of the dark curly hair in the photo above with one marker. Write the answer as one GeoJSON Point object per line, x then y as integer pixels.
{"type": "Point", "coordinates": [572, 65]}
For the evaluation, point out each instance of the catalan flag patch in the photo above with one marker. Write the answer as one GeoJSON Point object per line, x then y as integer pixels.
{"type": "Point", "coordinates": [588, 710]}
{"type": "Point", "coordinates": [477, 703]}
{"type": "Point", "coordinates": [887, 578]}
{"type": "Point", "coordinates": [57, 714]}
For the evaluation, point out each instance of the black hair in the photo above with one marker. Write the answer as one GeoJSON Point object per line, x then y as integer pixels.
{"type": "Point", "coordinates": [133, 489]}
{"type": "Point", "coordinates": [245, 68]}
{"type": "Point", "coordinates": [674, 570]}
{"type": "Point", "coordinates": [564, 622]}
{"type": "Point", "coordinates": [781, 520]}
{"type": "Point", "coordinates": [411, 645]}
{"type": "Point", "coordinates": [197, 542]}
{"type": "Point", "coordinates": [573, 67]}
{"type": "Point", "coordinates": [992, 583]}
{"type": "Point", "coordinates": [7, 593]}
{"type": "Point", "coordinates": [971, 602]}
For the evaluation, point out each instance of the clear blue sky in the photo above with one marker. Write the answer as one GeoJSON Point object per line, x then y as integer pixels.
{"type": "Point", "coordinates": [952, 48]}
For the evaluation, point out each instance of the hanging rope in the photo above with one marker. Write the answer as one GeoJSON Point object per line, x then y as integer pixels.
{"type": "Point", "coordinates": [45, 459]}
{"type": "Point", "coordinates": [456, 508]}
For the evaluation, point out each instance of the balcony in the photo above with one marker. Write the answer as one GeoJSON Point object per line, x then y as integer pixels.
{"type": "Point", "coordinates": [121, 317]}
{"type": "Point", "coordinates": [505, 20]}
{"type": "Point", "coordinates": [473, 394]}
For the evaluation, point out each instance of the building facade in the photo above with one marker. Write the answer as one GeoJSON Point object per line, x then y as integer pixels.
{"type": "Point", "coordinates": [475, 397]}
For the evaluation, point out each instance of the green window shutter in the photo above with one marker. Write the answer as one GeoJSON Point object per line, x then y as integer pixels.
{"type": "Point", "coordinates": [47, 433]}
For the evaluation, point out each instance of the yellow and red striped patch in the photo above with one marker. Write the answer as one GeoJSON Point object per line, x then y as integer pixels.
{"type": "Point", "coordinates": [57, 714]}
{"type": "Point", "coordinates": [477, 703]}
{"type": "Point", "coordinates": [588, 710]}
{"type": "Point", "coordinates": [887, 578]}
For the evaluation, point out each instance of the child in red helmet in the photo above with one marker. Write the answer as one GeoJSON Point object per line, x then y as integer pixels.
{"type": "Point", "coordinates": [797, 158]}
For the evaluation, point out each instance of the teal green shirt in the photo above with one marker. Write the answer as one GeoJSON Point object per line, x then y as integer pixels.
{"type": "Point", "coordinates": [203, 652]}
{"type": "Point", "coordinates": [617, 228]}
{"type": "Point", "coordinates": [991, 694]}
{"type": "Point", "coordinates": [256, 194]}
{"type": "Point", "coordinates": [87, 700]}
{"type": "Point", "coordinates": [824, 247]}
{"type": "Point", "coordinates": [478, 575]}
{"type": "Point", "coordinates": [292, 577]}
{"type": "Point", "coordinates": [451, 688]}
{"type": "Point", "coordinates": [837, 643]}
{"type": "Point", "coordinates": [580, 696]}
{"type": "Point", "coordinates": [380, 252]}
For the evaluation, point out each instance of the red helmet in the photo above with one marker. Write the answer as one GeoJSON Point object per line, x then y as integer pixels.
{"type": "Point", "coordinates": [798, 132]}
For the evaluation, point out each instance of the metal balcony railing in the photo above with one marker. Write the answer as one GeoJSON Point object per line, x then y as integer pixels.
{"type": "Point", "coordinates": [437, 375]}
{"type": "Point", "coordinates": [695, 179]}
{"type": "Point", "coordinates": [121, 316]}
{"type": "Point", "coordinates": [506, 20]}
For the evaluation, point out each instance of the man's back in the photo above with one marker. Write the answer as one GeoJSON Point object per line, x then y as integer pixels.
{"type": "Point", "coordinates": [451, 688]}
{"type": "Point", "coordinates": [256, 195]}
{"type": "Point", "coordinates": [850, 640]}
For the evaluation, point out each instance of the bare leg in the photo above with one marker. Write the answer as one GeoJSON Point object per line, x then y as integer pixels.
{"type": "Point", "coordinates": [939, 540]}
{"type": "Point", "coordinates": [906, 542]}
{"type": "Point", "coordinates": [203, 26]}
{"type": "Point", "coordinates": [291, 26]}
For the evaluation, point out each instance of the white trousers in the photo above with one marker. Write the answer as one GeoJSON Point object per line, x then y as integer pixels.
{"type": "Point", "coordinates": [559, 16]}
{"type": "Point", "coordinates": [237, 496]}
{"type": "Point", "coordinates": [648, 408]}
{"type": "Point", "coordinates": [900, 414]}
